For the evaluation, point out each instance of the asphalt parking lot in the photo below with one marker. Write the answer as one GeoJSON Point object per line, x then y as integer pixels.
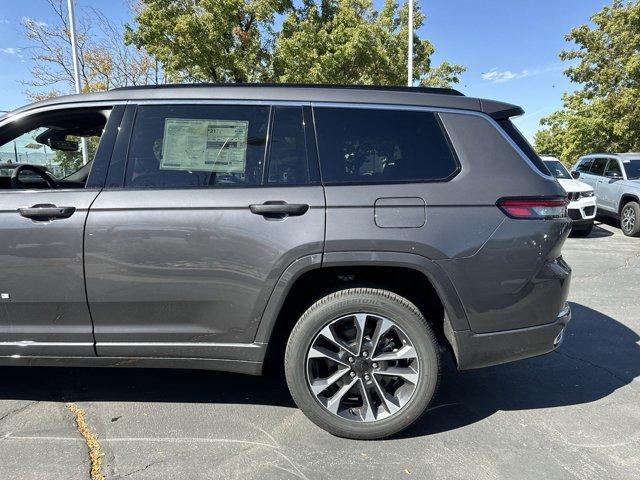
{"type": "Point", "coordinates": [572, 414]}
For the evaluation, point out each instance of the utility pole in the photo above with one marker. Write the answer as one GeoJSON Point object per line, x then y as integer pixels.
{"type": "Point", "coordinates": [410, 49]}
{"type": "Point", "coordinates": [76, 67]}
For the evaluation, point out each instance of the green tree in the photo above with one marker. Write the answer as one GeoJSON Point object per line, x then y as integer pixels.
{"type": "Point", "coordinates": [604, 114]}
{"type": "Point", "coordinates": [349, 41]}
{"type": "Point", "coordinates": [320, 41]}
{"type": "Point", "coordinates": [208, 40]}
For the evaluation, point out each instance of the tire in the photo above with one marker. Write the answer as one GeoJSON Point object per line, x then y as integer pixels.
{"type": "Point", "coordinates": [582, 230]}
{"type": "Point", "coordinates": [630, 219]}
{"type": "Point", "coordinates": [411, 337]}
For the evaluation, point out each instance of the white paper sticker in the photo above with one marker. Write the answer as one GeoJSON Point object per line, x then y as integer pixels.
{"type": "Point", "coordinates": [205, 145]}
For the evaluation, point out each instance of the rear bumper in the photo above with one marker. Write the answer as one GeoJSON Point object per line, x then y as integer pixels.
{"type": "Point", "coordinates": [476, 350]}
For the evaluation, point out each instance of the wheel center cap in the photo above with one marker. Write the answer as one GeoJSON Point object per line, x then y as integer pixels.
{"type": "Point", "coordinates": [361, 366]}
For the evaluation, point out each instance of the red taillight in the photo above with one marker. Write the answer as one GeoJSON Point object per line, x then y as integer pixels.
{"type": "Point", "coordinates": [534, 209]}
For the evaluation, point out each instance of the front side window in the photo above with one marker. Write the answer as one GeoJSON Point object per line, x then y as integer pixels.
{"type": "Point", "coordinates": [598, 166]}
{"type": "Point", "coordinates": [45, 151]}
{"type": "Point", "coordinates": [613, 169]}
{"type": "Point", "coordinates": [585, 165]}
{"type": "Point", "coordinates": [197, 146]}
{"type": "Point", "coordinates": [368, 145]}
{"type": "Point", "coordinates": [557, 169]}
{"type": "Point", "coordinates": [632, 168]}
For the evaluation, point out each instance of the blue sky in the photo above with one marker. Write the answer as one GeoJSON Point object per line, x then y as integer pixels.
{"type": "Point", "coordinates": [510, 48]}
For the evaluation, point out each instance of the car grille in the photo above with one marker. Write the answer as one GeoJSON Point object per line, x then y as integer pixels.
{"type": "Point", "coordinates": [574, 214]}
{"type": "Point", "coordinates": [589, 211]}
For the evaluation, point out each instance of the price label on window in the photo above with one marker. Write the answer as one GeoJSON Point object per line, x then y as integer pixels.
{"type": "Point", "coordinates": [204, 145]}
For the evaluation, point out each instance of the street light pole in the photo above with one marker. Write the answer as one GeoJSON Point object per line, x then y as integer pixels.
{"type": "Point", "coordinates": [76, 67]}
{"type": "Point", "coordinates": [410, 49]}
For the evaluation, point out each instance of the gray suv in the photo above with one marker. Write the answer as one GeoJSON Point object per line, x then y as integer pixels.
{"type": "Point", "coordinates": [351, 234]}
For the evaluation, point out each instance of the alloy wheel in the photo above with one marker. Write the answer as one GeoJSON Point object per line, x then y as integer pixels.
{"type": "Point", "coordinates": [628, 220]}
{"type": "Point", "coordinates": [362, 367]}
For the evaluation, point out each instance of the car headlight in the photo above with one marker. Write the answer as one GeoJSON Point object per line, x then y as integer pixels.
{"type": "Point", "coordinates": [587, 194]}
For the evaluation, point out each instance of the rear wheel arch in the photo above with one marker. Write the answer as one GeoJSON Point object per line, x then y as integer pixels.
{"type": "Point", "coordinates": [407, 275]}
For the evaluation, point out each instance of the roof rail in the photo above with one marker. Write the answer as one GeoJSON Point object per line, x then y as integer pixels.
{"type": "Point", "coordinates": [433, 90]}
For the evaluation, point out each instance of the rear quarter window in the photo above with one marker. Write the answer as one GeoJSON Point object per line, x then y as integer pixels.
{"type": "Point", "coordinates": [382, 146]}
{"type": "Point", "coordinates": [519, 139]}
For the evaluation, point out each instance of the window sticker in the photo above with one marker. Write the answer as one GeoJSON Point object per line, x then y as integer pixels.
{"type": "Point", "coordinates": [209, 145]}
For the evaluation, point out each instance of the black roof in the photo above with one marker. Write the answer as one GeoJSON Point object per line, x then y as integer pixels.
{"type": "Point", "coordinates": [410, 96]}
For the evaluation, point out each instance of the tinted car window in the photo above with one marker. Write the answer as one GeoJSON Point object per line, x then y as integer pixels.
{"type": "Point", "coordinates": [288, 151]}
{"type": "Point", "coordinates": [517, 137]}
{"type": "Point", "coordinates": [557, 169]}
{"type": "Point", "coordinates": [632, 167]}
{"type": "Point", "coordinates": [613, 167]}
{"type": "Point", "coordinates": [368, 145]}
{"type": "Point", "coordinates": [585, 165]}
{"type": "Point", "coordinates": [197, 145]}
{"type": "Point", "coordinates": [598, 166]}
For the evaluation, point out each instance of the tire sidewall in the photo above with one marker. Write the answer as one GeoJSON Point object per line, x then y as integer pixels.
{"type": "Point", "coordinates": [349, 302]}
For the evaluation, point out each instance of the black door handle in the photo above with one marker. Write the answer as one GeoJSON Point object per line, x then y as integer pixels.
{"type": "Point", "coordinates": [45, 212]}
{"type": "Point", "coordinates": [278, 209]}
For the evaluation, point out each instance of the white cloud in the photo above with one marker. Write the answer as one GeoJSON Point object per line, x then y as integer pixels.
{"type": "Point", "coordinates": [4, 21]}
{"type": "Point", "coordinates": [500, 76]}
{"type": "Point", "coordinates": [10, 51]}
{"type": "Point", "coordinates": [28, 20]}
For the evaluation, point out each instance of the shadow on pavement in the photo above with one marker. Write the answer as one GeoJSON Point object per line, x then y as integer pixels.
{"type": "Point", "coordinates": [598, 356]}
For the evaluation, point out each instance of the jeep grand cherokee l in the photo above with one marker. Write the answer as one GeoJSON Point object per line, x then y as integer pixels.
{"type": "Point", "coordinates": [352, 234]}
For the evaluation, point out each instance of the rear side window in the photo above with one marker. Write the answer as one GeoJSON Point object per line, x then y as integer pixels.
{"type": "Point", "coordinates": [598, 166]}
{"type": "Point", "coordinates": [288, 151]}
{"type": "Point", "coordinates": [378, 146]}
{"type": "Point", "coordinates": [197, 146]}
{"type": "Point", "coordinates": [517, 137]}
{"type": "Point", "coordinates": [585, 165]}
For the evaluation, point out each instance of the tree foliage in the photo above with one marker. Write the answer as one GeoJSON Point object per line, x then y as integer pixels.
{"type": "Point", "coordinates": [325, 41]}
{"type": "Point", "coordinates": [604, 114]}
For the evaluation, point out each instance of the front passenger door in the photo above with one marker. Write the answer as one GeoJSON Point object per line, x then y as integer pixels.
{"type": "Point", "coordinates": [608, 186]}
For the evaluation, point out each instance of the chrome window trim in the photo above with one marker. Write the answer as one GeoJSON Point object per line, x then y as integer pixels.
{"type": "Point", "coordinates": [417, 108]}
{"type": "Point", "coordinates": [228, 101]}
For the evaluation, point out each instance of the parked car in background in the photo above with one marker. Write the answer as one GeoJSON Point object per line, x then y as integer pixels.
{"type": "Point", "coordinates": [615, 179]}
{"type": "Point", "coordinates": [349, 234]}
{"type": "Point", "coordinates": [582, 202]}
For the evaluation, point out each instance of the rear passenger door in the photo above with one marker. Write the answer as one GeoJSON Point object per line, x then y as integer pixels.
{"type": "Point", "coordinates": [205, 206]}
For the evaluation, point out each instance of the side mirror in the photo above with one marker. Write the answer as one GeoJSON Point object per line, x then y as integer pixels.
{"type": "Point", "coordinates": [575, 175]}
{"type": "Point", "coordinates": [613, 175]}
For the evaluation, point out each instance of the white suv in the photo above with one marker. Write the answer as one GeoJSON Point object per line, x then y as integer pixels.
{"type": "Point", "coordinates": [616, 181]}
{"type": "Point", "coordinates": [582, 206]}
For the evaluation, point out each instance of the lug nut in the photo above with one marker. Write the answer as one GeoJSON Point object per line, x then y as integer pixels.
{"type": "Point", "coordinates": [367, 377]}
{"type": "Point", "coordinates": [365, 354]}
{"type": "Point", "coordinates": [351, 359]}
{"type": "Point", "coordinates": [352, 374]}
{"type": "Point", "coordinates": [375, 365]}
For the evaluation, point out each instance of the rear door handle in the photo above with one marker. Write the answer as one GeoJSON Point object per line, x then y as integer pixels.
{"type": "Point", "coordinates": [279, 209]}
{"type": "Point", "coordinates": [46, 211]}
